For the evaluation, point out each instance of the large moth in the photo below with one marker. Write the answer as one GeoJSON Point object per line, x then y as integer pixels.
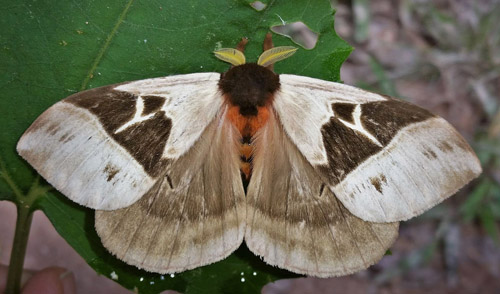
{"type": "Point", "coordinates": [313, 175]}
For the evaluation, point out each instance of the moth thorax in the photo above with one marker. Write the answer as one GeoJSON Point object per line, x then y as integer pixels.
{"type": "Point", "coordinates": [249, 86]}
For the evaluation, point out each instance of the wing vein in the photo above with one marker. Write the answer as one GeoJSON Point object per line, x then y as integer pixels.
{"type": "Point", "coordinates": [337, 251]}
{"type": "Point", "coordinates": [177, 228]}
{"type": "Point", "coordinates": [122, 218]}
{"type": "Point", "coordinates": [375, 234]}
{"type": "Point", "coordinates": [400, 194]}
{"type": "Point", "coordinates": [287, 254]}
{"type": "Point", "coordinates": [204, 214]}
{"type": "Point", "coordinates": [90, 155]}
{"type": "Point", "coordinates": [155, 235]}
{"type": "Point", "coordinates": [429, 179]}
{"type": "Point", "coordinates": [233, 192]}
{"type": "Point", "coordinates": [310, 230]}
{"type": "Point", "coordinates": [255, 206]}
{"type": "Point", "coordinates": [352, 234]}
{"type": "Point", "coordinates": [221, 191]}
{"type": "Point", "coordinates": [312, 237]}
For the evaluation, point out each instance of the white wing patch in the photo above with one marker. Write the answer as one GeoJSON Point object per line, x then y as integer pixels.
{"type": "Point", "coordinates": [358, 126]}
{"type": "Point", "coordinates": [138, 116]}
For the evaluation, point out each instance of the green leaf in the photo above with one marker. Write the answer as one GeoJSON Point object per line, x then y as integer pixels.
{"type": "Point", "coordinates": [489, 223]}
{"type": "Point", "coordinates": [52, 49]}
{"type": "Point", "coordinates": [473, 204]}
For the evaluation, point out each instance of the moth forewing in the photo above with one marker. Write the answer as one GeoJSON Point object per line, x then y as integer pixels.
{"type": "Point", "coordinates": [385, 159]}
{"type": "Point", "coordinates": [105, 148]}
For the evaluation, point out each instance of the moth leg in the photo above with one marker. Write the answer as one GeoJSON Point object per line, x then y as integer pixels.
{"type": "Point", "coordinates": [268, 44]}
{"type": "Point", "coordinates": [241, 45]}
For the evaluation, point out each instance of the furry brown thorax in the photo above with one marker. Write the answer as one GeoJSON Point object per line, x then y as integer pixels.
{"type": "Point", "coordinates": [249, 86]}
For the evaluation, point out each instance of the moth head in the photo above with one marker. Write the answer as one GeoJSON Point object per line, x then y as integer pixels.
{"type": "Point", "coordinates": [251, 85]}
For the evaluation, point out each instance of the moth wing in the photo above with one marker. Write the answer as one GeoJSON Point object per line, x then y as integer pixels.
{"type": "Point", "coordinates": [106, 147]}
{"type": "Point", "coordinates": [194, 215]}
{"type": "Point", "coordinates": [385, 159]}
{"type": "Point", "coordinates": [295, 222]}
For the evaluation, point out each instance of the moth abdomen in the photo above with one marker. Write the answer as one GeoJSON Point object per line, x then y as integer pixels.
{"type": "Point", "coordinates": [246, 153]}
{"type": "Point", "coordinates": [247, 126]}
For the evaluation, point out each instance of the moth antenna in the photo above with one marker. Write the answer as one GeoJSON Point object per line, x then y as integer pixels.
{"type": "Point", "coordinates": [230, 55]}
{"type": "Point", "coordinates": [268, 44]}
{"type": "Point", "coordinates": [275, 54]}
{"type": "Point", "coordinates": [241, 45]}
{"type": "Point", "coordinates": [233, 56]}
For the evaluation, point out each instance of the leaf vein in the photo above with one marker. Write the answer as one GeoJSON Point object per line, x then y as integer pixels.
{"type": "Point", "coordinates": [110, 36]}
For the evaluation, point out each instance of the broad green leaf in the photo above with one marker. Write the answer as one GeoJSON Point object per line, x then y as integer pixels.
{"type": "Point", "coordinates": [52, 49]}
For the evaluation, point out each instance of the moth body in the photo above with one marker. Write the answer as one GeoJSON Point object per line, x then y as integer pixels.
{"type": "Point", "coordinates": [248, 89]}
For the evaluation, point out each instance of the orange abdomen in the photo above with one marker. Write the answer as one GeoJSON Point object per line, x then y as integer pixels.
{"type": "Point", "coordinates": [248, 127]}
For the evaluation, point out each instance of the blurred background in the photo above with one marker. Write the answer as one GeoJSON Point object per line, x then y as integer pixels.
{"type": "Point", "coordinates": [443, 55]}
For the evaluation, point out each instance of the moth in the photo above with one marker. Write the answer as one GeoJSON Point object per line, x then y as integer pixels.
{"type": "Point", "coordinates": [313, 175]}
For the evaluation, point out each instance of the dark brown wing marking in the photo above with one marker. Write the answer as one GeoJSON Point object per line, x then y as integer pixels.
{"type": "Point", "coordinates": [145, 141]}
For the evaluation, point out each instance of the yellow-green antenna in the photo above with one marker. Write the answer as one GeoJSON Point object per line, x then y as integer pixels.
{"type": "Point", "coordinates": [233, 56]}
{"type": "Point", "coordinates": [275, 54]}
